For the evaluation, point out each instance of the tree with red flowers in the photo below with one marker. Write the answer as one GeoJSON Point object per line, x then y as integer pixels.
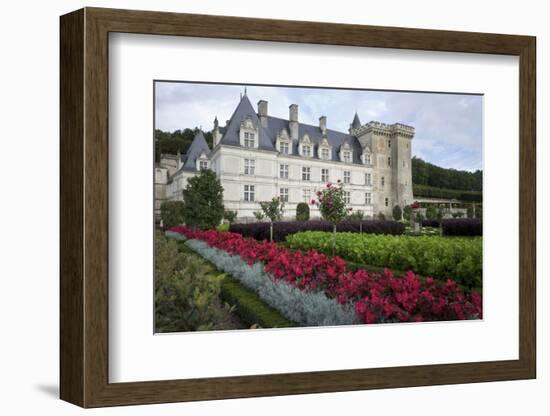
{"type": "Point", "coordinates": [332, 206]}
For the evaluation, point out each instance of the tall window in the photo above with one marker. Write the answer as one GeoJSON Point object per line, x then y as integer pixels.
{"type": "Point", "coordinates": [306, 151]}
{"type": "Point", "coordinates": [404, 164]}
{"type": "Point", "coordinates": [306, 195]}
{"type": "Point", "coordinates": [347, 157]}
{"type": "Point", "coordinates": [389, 161]}
{"type": "Point", "coordinates": [382, 181]}
{"type": "Point", "coordinates": [249, 139]}
{"type": "Point", "coordinates": [367, 159]}
{"type": "Point", "coordinates": [324, 154]}
{"type": "Point", "coordinates": [306, 173]}
{"type": "Point", "coordinates": [249, 193]}
{"type": "Point", "coordinates": [347, 197]}
{"type": "Point", "coordinates": [249, 166]}
{"type": "Point", "coordinates": [347, 176]}
{"type": "Point", "coordinates": [368, 179]}
{"type": "Point", "coordinates": [283, 171]}
{"type": "Point", "coordinates": [389, 142]}
{"type": "Point", "coordinates": [203, 164]}
{"type": "Point", "coordinates": [324, 175]}
{"type": "Point", "coordinates": [284, 148]}
{"type": "Point", "coordinates": [368, 198]}
{"type": "Point", "coordinates": [387, 202]}
{"type": "Point", "coordinates": [283, 194]}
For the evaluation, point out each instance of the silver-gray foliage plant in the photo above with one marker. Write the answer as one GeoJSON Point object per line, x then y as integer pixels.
{"type": "Point", "coordinates": [309, 308]}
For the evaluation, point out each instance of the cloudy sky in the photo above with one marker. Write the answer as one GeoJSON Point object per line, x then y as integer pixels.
{"type": "Point", "coordinates": [448, 126]}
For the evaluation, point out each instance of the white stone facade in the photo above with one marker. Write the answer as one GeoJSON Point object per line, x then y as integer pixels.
{"type": "Point", "coordinates": [372, 160]}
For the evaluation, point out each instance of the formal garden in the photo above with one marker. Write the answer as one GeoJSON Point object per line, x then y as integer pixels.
{"type": "Point", "coordinates": [213, 273]}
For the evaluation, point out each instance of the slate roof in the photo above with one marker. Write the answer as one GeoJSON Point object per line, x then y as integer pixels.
{"type": "Point", "coordinates": [356, 123]}
{"type": "Point", "coordinates": [268, 136]}
{"type": "Point", "coordinates": [197, 147]}
{"type": "Point", "coordinates": [243, 111]}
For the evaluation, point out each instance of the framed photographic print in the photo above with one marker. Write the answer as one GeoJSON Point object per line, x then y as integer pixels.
{"type": "Point", "coordinates": [255, 207]}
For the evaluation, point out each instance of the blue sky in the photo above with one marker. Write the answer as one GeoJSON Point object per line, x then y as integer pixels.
{"type": "Point", "coordinates": [449, 127]}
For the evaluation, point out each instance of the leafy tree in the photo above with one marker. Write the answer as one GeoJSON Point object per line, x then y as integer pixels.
{"type": "Point", "coordinates": [171, 213]}
{"type": "Point", "coordinates": [424, 173]}
{"type": "Point", "coordinates": [431, 212]}
{"type": "Point", "coordinates": [357, 215]}
{"type": "Point", "coordinates": [176, 141]}
{"type": "Point", "coordinates": [203, 200]}
{"type": "Point", "coordinates": [259, 215]}
{"type": "Point", "coordinates": [230, 216]}
{"type": "Point", "coordinates": [274, 211]}
{"type": "Point", "coordinates": [381, 216]}
{"type": "Point", "coordinates": [407, 211]}
{"type": "Point", "coordinates": [470, 211]}
{"type": "Point", "coordinates": [397, 213]}
{"type": "Point", "coordinates": [302, 212]}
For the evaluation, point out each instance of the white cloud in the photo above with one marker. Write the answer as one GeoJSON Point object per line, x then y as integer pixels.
{"type": "Point", "coordinates": [448, 126]}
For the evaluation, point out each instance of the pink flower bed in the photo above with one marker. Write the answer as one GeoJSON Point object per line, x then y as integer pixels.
{"type": "Point", "coordinates": [378, 297]}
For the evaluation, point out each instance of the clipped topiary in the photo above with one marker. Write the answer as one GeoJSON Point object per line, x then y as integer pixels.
{"type": "Point", "coordinates": [302, 212]}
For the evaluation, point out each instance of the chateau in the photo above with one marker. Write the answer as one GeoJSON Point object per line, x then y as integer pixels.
{"type": "Point", "coordinates": [257, 156]}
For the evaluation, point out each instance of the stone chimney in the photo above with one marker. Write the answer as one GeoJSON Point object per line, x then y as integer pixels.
{"type": "Point", "coordinates": [262, 112]}
{"type": "Point", "coordinates": [323, 124]}
{"type": "Point", "coordinates": [293, 121]}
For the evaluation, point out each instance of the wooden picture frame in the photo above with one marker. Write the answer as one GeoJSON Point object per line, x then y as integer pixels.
{"type": "Point", "coordinates": [84, 207]}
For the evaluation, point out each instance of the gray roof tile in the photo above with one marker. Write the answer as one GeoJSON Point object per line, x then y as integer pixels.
{"type": "Point", "coordinates": [268, 136]}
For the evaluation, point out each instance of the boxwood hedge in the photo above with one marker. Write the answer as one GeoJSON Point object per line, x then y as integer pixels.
{"type": "Point", "coordinates": [260, 230]}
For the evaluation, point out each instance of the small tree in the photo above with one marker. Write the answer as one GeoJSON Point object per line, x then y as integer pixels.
{"type": "Point", "coordinates": [431, 212]}
{"type": "Point", "coordinates": [358, 216]}
{"type": "Point", "coordinates": [230, 216]}
{"type": "Point", "coordinates": [274, 211]}
{"type": "Point", "coordinates": [259, 215]}
{"type": "Point", "coordinates": [470, 211]}
{"type": "Point", "coordinates": [332, 206]}
{"type": "Point", "coordinates": [203, 200]}
{"type": "Point", "coordinates": [302, 212]}
{"type": "Point", "coordinates": [407, 211]}
{"type": "Point", "coordinates": [381, 216]}
{"type": "Point", "coordinates": [397, 213]}
{"type": "Point", "coordinates": [171, 213]}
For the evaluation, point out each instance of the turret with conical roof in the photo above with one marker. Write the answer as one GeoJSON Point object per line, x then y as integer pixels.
{"type": "Point", "coordinates": [198, 147]}
{"type": "Point", "coordinates": [356, 123]}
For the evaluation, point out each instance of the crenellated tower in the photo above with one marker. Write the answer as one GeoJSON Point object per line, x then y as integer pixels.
{"type": "Point", "coordinates": [388, 148]}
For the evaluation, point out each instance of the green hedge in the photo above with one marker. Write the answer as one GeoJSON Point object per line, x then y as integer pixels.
{"type": "Point", "coordinates": [433, 192]}
{"type": "Point", "coordinates": [457, 258]}
{"type": "Point", "coordinates": [250, 308]}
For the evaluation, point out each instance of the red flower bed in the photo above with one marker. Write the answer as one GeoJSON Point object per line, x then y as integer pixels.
{"type": "Point", "coordinates": [378, 297]}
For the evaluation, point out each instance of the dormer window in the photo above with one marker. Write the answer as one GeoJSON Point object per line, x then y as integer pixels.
{"type": "Point", "coordinates": [202, 162]}
{"type": "Point", "coordinates": [283, 142]}
{"type": "Point", "coordinates": [284, 146]}
{"type": "Point", "coordinates": [306, 147]}
{"type": "Point", "coordinates": [324, 150]}
{"type": "Point", "coordinates": [366, 156]}
{"type": "Point", "coordinates": [346, 153]}
{"type": "Point", "coordinates": [249, 139]}
{"type": "Point", "coordinates": [248, 134]}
